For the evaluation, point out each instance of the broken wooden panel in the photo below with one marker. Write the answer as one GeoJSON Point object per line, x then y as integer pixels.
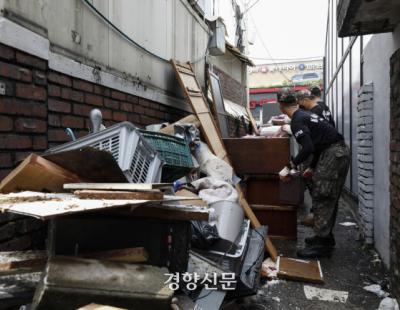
{"type": "Point", "coordinates": [101, 194]}
{"type": "Point", "coordinates": [70, 283]}
{"type": "Point", "coordinates": [300, 270]}
{"type": "Point", "coordinates": [90, 163]}
{"type": "Point", "coordinates": [37, 174]}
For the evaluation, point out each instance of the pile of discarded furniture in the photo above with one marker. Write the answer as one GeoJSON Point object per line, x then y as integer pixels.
{"type": "Point", "coordinates": [147, 219]}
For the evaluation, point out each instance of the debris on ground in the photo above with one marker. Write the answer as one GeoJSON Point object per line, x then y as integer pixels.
{"type": "Point", "coordinates": [348, 224]}
{"type": "Point", "coordinates": [376, 289]}
{"type": "Point", "coordinates": [388, 304]}
{"type": "Point", "coordinates": [315, 293]}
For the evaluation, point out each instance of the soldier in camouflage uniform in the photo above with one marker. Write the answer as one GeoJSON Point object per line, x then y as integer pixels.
{"type": "Point", "coordinates": [330, 165]}
{"type": "Point", "coordinates": [310, 101]}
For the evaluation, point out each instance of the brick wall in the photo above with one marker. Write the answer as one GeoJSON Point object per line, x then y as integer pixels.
{"type": "Point", "coordinates": [395, 171]}
{"type": "Point", "coordinates": [23, 129]}
{"type": "Point", "coordinates": [365, 161]}
{"type": "Point", "coordinates": [231, 89]}
{"type": "Point", "coordinates": [71, 100]}
{"type": "Point", "coordinates": [37, 106]}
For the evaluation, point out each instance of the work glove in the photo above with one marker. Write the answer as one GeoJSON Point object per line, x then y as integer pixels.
{"type": "Point", "coordinates": [308, 173]}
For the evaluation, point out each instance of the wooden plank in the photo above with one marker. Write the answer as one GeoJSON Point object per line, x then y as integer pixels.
{"type": "Point", "coordinates": [197, 200]}
{"type": "Point", "coordinates": [252, 120]}
{"type": "Point", "coordinates": [300, 270]}
{"type": "Point", "coordinates": [128, 255]}
{"type": "Point", "coordinates": [99, 194]}
{"type": "Point", "coordinates": [214, 141]}
{"type": "Point", "coordinates": [17, 262]}
{"type": "Point", "coordinates": [37, 174]}
{"type": "Point", "coordinates": [116, 186]}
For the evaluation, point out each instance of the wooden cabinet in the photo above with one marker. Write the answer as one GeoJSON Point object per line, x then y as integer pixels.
{"type": "Point", "coordinates": [258, 155]}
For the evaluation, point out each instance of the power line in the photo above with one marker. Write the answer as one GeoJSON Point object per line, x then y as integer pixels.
{"type": "Point", "coordinates": [123, 34]}
{"type": "Point", "coordinates": [129, 39]}
{"type": "Point", "coordinates": [265, 47]}
{"type": "Point", "coordinates": [287, 59]}
{"type": "Point", "coordinates": [248, 9]}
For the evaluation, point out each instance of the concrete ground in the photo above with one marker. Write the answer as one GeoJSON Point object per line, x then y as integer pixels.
{"type": "Point", "coordinates": [351, 267]}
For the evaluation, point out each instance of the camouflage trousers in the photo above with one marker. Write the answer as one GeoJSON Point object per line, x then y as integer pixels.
{"type": "Point", "coordinates": [328, 181]}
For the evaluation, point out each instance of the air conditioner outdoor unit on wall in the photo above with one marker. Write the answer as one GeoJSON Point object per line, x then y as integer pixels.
{"type": "Point", "coordinates": [205, 7]}
{"type": "Point", "coordinates": [217, 43]}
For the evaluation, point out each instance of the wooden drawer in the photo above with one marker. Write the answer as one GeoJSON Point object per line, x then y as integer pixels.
{"type": "Point", "coordinates": [269, 190]}
{"type": "Point", "coordinates": [281, 220]}
{"type": "Point", "coordinates": [258, 155]}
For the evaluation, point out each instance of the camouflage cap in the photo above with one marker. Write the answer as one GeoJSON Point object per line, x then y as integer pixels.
{"type": "Point", "coordinates": [303, 94]}
{"type": "Point", "coordinates": [287, 96]}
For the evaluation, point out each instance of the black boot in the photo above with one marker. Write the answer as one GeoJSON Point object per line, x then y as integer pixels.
{"type": "Point", "coordinates": [322, 241]}
{"type": "Point", "coordinates": [315, 251]}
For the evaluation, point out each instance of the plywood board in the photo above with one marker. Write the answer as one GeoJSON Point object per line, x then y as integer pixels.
{"type": "Point", "coordinates": [45, 206]}
{"type": "Point", "coordinates": [37, 174]}
{"type": "Point", "coordinates": [101, 194]}
{"type": "Point", "coordinates": [300, 270]}
{"type": "Point", "coordinates": [192, 90]}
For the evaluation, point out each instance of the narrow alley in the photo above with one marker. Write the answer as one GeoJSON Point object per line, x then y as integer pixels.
{"type": "Point", "coordinates": [199, 154]}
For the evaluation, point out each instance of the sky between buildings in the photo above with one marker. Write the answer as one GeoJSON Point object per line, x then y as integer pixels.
{"type": "Point", "coordinates": [288, 29]}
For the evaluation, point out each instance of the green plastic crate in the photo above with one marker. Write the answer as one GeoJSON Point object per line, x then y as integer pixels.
{"type": "Point", "coordinates": [175, 151]}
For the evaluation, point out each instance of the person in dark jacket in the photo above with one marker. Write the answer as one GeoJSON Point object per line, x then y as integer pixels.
{"type": "Point", "coordinates": [330, 164]}
{"type": "Point", "coordinates": [309, 101]}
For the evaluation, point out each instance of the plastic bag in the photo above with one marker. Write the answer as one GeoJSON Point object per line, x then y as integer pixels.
{"type": "Point", "coordinates": [204, 235]}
